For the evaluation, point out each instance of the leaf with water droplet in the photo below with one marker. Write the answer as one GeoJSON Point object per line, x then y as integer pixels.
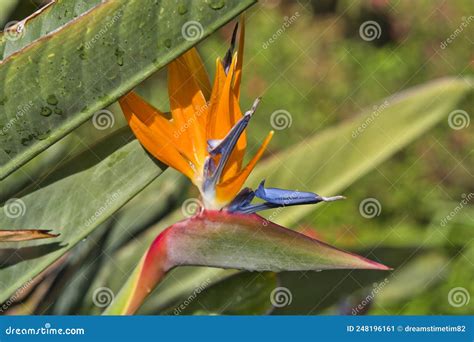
{"type": "Point", "coordinates": [52, 100]}
{"type": "Point", "coordinates": [182, 9]}
{"type": "Point", "coordinates": [216, 4]}
{"type": "Point", "coordinates": [46, 111]}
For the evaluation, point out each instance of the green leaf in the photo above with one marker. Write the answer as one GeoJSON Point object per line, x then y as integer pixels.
{"type": "Point", "coordinates": [241, 294]}
{"type": "Point", "coordinates": [331, 160]}
{"type": "Point", "coordinates": [52, 85]}
{"type": "Point", "coordinates": [74, 203]}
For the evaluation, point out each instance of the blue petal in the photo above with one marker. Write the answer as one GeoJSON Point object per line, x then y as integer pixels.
{"type": "Point", "coordinates": [225, 147]}
{"type": "Point", "coordinates": [242, 200]}
{"type": "Point", "coordinates": [286, 197]}
{"type": "Point", "coordinates": [274, 198]}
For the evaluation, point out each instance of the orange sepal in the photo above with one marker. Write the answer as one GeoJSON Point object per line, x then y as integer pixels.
{"type": "Point", "coordinates": [189, 110]}
{"type": "Point", "coordinates": [155, 140]}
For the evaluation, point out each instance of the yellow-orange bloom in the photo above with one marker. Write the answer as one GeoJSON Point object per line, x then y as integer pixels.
{"type": "Point", "coordinates": [200, 115]}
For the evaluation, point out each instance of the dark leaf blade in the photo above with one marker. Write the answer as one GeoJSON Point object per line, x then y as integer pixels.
{"type": "Point", "coordinates": [53, 85]}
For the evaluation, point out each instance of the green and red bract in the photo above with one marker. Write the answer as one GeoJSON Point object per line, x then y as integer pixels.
{"type": "Point", "coordinates": [228, 240]}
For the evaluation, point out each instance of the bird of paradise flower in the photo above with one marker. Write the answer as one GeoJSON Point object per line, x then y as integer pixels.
{"type": "Point", "coordinates": [206, 141]}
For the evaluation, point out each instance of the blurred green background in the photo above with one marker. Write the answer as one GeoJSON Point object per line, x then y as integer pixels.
{"type": "Point", "coordinates": [309, 59]}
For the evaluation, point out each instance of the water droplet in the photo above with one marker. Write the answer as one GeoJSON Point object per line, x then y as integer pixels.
{"type": "Point", "coordinates": [42, 136]}
{"type": "Point", "coordinates": [58, 111]}
{"type": "Point", "coordinates": [3, 101]}
{"type": "Point", "coordinates": [119, 54]}
{"type": "Point", "coordinates": [216, 4]}
{"type": "Point", "coordinates": [46, 111]}
{"type": "Point", "coordinates": [52, 100]}
{"type": "Point", "coordinates": [167, 43]}
{"type": "Point", "coordinates": [182, 9]}
{"type": "Point", "coordinates": [82, 52]}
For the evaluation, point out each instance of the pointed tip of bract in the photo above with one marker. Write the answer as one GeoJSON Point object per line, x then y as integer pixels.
{"type": "Point", "coordinates": [372, 265]}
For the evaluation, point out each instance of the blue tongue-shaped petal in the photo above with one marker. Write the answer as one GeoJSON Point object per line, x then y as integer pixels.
{"type": "Point", "coordinates": [290, 197]}
{"type": "Point", "coordinates": [225, 147]}
{"type": "Point", "coordinates": [243, 199]}
{"type": "Point", "coordinates": [275, 198]}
